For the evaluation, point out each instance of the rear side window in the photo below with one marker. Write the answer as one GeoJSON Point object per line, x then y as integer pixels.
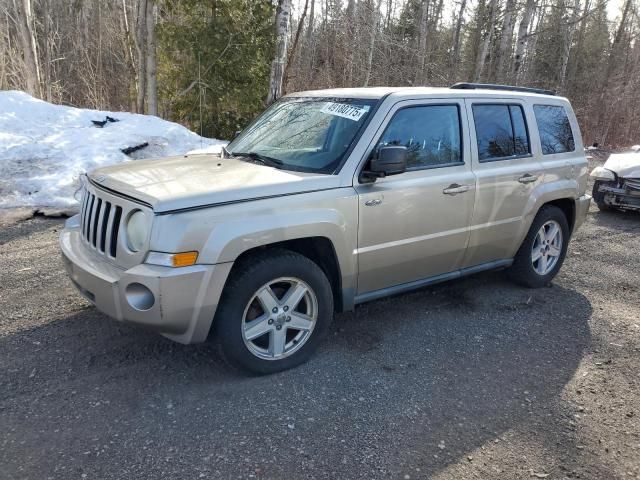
{"type": "Point", "coordinates": [431, 134]}
{"type": "Point", "coordinates": [555, 129]}
{"type": "Point", "coordinates": [501, 131]}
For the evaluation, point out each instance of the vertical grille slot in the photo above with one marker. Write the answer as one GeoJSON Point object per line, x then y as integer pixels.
{"type": "Point", "coordinates": [94, 223]}
{"type": "Point", "coordinates": [113, 247]}
{"type": "Point", "coordinates": [88, 213]}
{"type": "Point", "coordinates": [103, 229]}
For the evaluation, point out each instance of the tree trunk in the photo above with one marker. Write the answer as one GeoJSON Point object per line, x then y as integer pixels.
{"type": "Point", "coordinates": [128, 43]}
{"type": "Point", "coordinates": [152, 67]}
{"type": "Point", "coordinates": [351, 33]}
{"type": "Point", "coordinates": [141, 50]}
{"type": "Point", "coordinates": [506, 40]}
{"type": "Point", "coordinates": [581, 32]}
{"type": "Point", "coordinates": [611, 66]}
{"type": "Point", "coordinates": [372, 43]}
{"type": "Point", "coordinates": [28, 45]}
{"type": "Point", "coordinates": [537, 18]}
{"type": "Point", "coordinates": [484, 48]}
{"type": "Point", "coordinates": [455, 57]}
{"type": "Point", "coordinates": [523, 30]}
{"type": "Point", "coordinates": [566, 47]}
{"type": "Point", "coordinates": [294, 47]}
{"type": "Point", "coordinates": [422, 41]}
{"type": "Point", "coordinates": [312, 13]}
{"type": "Point", "coordinates": [48, 41]}
{"type": "Point", "coordinates": [283, 16]}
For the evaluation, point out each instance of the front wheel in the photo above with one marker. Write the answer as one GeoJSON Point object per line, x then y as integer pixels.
{"type": "Point", "coordinates": [543, 250]}
{"type": "Point", "coordinates": [598, 197]}
{"type": "Point", "coordinates": [275, 310]}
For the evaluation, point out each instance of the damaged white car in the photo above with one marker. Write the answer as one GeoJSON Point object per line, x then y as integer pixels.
{"type": "Point", "coordinates": [617, 182]}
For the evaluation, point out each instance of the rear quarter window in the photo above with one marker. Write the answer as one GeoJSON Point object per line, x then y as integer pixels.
{"type": "Point", "coordinates": [554, 127]}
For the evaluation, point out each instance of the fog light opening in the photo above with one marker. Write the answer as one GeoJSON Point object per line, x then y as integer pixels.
{"type": "Point", "coordinates": [139, 296]}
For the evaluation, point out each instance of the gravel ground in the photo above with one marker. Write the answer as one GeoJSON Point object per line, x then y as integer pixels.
{"type": "Point", "coordinates": [470, 379]}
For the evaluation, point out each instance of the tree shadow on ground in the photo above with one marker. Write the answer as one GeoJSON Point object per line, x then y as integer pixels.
{"type": "Point", "coordinates": [405, 385]}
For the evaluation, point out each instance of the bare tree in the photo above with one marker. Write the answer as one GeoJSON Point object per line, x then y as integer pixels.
{"type": "Point", "coordinates": [484, 49]}
{"type": "Point", "coordinates": [506, 39]}
{"type": "Point", "coordinates": [521, 43]}
{"type": "Point", "coordinates": [372, 43]}
{"type": "Point", "coordinates": [141, 49]}
{"type": "Point", "coordinates": [294, 47]}
{"type": "Point", "coordinates": [455, 57]}
{"type": "Point", "coordinates": [27, 37]}
{"type": "Point", "coordinates": [283, 16]}
{"type": "Point", "coordinates": [152, 68]}
{"type": "Point", "coordinates": [422, 40]}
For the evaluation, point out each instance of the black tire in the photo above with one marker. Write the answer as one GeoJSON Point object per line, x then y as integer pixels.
{"type": "Point", "coordinates": [598, 197]}
{"type": "Point", "coordinates": [246, 279]}
{"type": "Point", "coordinates": [522, 271]}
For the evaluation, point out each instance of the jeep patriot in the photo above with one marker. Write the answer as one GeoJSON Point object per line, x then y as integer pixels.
{"type": "Point", "coordinates": [330, 198]}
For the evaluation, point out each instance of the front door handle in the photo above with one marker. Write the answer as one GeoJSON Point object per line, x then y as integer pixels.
{"type": "Point", "coordinates": [455, 189]}
{"type": "Point", "coordinates": [528, 178]}
{"type": "Point", "coordinates": [374, 202]}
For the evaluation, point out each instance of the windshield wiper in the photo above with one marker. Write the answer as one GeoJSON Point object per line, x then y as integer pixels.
{"type": "Point", "coordinates": [263, 159]}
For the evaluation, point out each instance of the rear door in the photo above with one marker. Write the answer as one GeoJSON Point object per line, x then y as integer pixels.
{"type": "Point", "coordinates": [415, 225]}
{"type": "Point", "coordinates": [507, 171]}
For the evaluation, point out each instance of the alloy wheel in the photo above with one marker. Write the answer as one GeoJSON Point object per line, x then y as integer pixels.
{"type": "Point", "coordinates": [279, 318]}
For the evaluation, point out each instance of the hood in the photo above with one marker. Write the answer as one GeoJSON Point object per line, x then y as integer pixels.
{"type": "Point", "coordinates": [625, 165]}
{"type": "Point", "coordinates": [176, 183]}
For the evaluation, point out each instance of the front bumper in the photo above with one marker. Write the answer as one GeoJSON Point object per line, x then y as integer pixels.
{"type": "Point", "coordinates": [184, 300]}
{"type": "Point", "coordinates": [582, 207]}
{"type": "Point", "coordinates": [627, 196]}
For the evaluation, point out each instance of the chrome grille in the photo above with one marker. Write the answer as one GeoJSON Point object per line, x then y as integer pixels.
{"type": "Point", "coordinates": [100, 223]}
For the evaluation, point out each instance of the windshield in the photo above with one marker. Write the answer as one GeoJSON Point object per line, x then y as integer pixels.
{"type": "Point", "coordinates": [304, 134]}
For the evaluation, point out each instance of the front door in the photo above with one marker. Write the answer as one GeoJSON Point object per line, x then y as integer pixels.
{"type": "Point", "coordinates": [415, 225]}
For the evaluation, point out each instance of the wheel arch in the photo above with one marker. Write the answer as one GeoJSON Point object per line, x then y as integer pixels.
{"type": "Point", "coordinates": [568, 207]}
{"type": "Point", "coordinates": [319, 250]}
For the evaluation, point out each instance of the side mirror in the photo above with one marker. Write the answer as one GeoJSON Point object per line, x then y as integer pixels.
{"type": "Point", "coordinates": [390, 160]}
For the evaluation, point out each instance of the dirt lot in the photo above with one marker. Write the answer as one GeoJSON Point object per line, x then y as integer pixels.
{"type": "Point", "coordinates": [470, 379]}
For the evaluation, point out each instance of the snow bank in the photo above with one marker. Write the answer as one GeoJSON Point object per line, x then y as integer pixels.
{"type": "Point", "coordinates": [45, 147]}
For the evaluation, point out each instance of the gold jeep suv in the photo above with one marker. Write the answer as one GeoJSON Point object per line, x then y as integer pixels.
{"type": "Point", "coordinates": [328, 199]}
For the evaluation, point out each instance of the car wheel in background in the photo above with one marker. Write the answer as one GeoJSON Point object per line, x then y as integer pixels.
{"type": "Point", "coordinates": [598, 197]}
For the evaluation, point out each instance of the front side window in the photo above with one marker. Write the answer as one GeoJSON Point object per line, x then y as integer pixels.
{"type": "Point", "coordinates": [555, 129]}
{"type": "Point", "coordinates": [305, 134]}
{"type": "Point", "coordinates": [501, 131]}
{"type": "Point", "coordinates": [431, 134]}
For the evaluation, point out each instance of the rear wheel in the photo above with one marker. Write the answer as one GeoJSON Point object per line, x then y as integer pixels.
{"type": "Point", "coordinates": [274, 312]}
{"type": "Point", "coordinates": [542, 252]}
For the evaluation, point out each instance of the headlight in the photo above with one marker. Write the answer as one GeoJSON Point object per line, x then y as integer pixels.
{"type": "Point", "coordinates": [601, 173]}
{"type": "Point", "coordinates": [137, 230]}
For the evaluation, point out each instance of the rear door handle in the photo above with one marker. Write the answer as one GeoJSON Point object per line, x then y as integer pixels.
{"type": "Point", "coordinates": [528, 178]}
{"type": "Point", "coordinates": [454, 189]}
{"type": "Point", "coordinates": [373, 203]}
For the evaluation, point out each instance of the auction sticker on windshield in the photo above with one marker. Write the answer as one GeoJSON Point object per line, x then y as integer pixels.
{"type": "Point", "coordinates": [352, 112]}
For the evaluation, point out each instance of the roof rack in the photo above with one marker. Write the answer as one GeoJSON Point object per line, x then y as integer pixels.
{"type": "Point", "coordinates": [491, 86]}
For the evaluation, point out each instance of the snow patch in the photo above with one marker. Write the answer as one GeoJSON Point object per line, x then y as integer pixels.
{"type": "Point", "coordinates": [44, 148]}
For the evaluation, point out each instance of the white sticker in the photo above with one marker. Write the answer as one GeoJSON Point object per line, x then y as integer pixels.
{"type": "Point", "coordinates": [352, 112]}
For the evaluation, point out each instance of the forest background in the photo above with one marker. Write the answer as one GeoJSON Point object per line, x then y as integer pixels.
{"type": "Point", "coordinates": [213, 65]}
